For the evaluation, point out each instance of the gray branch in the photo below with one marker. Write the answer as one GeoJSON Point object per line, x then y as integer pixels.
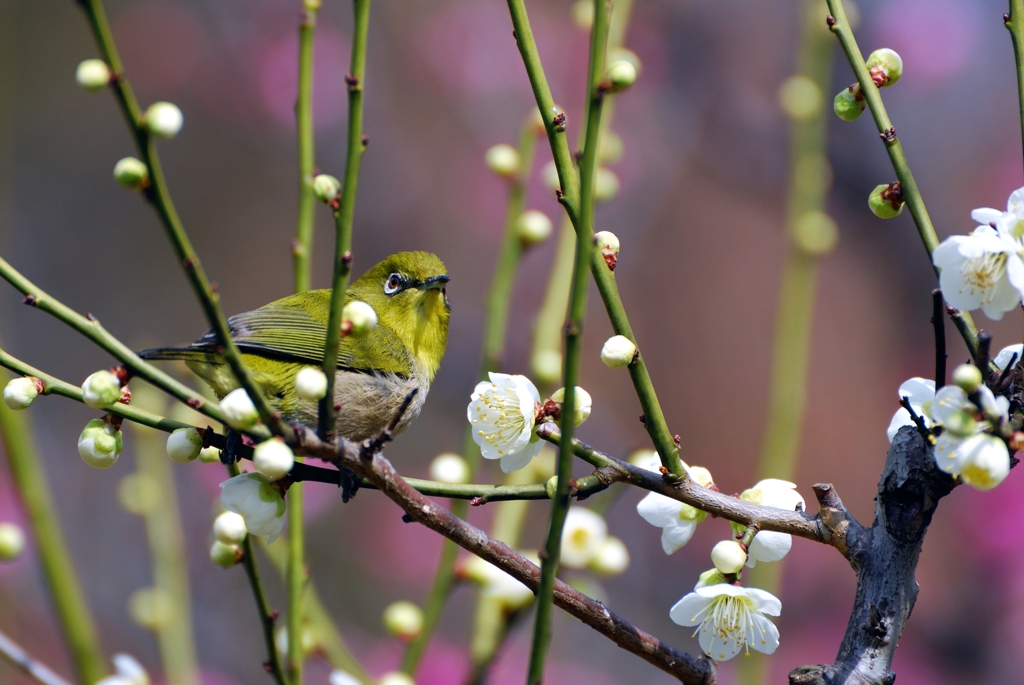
{"type": "Point", "coordinates": [885, 558]}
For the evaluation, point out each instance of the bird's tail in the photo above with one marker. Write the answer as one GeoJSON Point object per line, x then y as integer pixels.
{"type": "Point", "coordinates": [188, 354]}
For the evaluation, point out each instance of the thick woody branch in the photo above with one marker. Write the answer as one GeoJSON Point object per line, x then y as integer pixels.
{"type": "Point", "coordinates": [885, 559]}
{"type": "Point", "coordinates": [684, 667]}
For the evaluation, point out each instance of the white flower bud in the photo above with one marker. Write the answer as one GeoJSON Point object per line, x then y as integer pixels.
{"type": "Point", "coordinates": [547, 366]}
{"type": "Point", "coordinates": [551, 487]}
{"type": "Point", "coordinates": [101, 389]}
{"type": "Point", "coordinates": [625, 54]}
{"type": "Point", "coordinates": [849, 103]}
{"type": "Point", "coordinates": [12, 541]}
{"type": "Point", "coordinates": [139, 493]}
{"type": "Point", "coordinates": [395, 678]}
{"type": "Point", "coordinates": [815, 233]}
{"type": "Point", "coordinates": [609, 147]}
{"type": "Point", "coordinates": [612, 557]}
{"type": "Point", "coordinates": [549, 175]}
{"type": "Point", "coordinates": [800, 97]}
{"type": "Point", "coordinates": [163, 119]}
{"type": "Point", "coordinates": [728, 556]}
{"type": "Point", "coordinates": [273, 458]}
{"type": "Point", "coordinates": [533, 227]}
{"type": "Point", "coordinates": [358, 319]}
{"type": "Point", "coordinates": [131, 173]}
{"type": "Point", "coordinates": [885, 67]}
{"type": "Point", "coordinates": [311, 383]}
{"type": "Point", "coordinates": [536, 121]}
{"type": "Point", "coordinates": [618, 351]}
{"type": "Point", "coordinates": [150, 608]}
{"type": "Point", "coordinates": [886, 200]}
{"type": "Point", "coordinates": [326, 188]}
{"type": "Point", "coordinates": [225, 556]}
{"type": "Point", "coordinates": [503, 160]}
{"type": "Point", "coordinates": [583, 14]}
{"type": "Point", "coordinates": [449, 468]}
{"type": "Point", "coordinates": [238, 410]}
{"type": "Point", "coordinates": [608, 244]}
{"type": "Point", "coordinates": [620, 76]}
{"type": "Point", "coordinates": [645, 459]}
{"type": "Point", "coordinates": [100, 444]}
{"type": "Point", "coordinates": [184, 445]}
{"type": "Point", "coordinates": [584, 403]}
{"type": "Point", "coordinates": [209, 455]}
{"type": "Point", "coordinates": [606, 185]}
{"type": "Point", "coordinates": [229, 528]}
{"type": "Point", "coordinates": [403, 620]}
{"type": "Point", "coordinates": [93, 74]}
{"type": "Point", "coordinates": [342, 678]}
{"type": "Point", "coordinates": [20, 393]}
{"type": "Point", "coordinates": [968, 377]}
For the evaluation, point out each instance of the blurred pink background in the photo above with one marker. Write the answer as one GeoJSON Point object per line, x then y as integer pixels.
{"type": "Point", "coordinates": [700, 216]}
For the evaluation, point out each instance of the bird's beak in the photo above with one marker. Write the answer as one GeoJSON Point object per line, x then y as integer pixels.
{"type": "Point", "coordinates": [434, 282]}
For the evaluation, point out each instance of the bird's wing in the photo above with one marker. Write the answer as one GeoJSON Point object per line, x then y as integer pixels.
{"type": "Point", "coordinates": [292, 334]}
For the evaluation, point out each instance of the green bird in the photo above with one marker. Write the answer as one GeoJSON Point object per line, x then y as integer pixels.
{"type": "Point", "coordinates": [375, 372]}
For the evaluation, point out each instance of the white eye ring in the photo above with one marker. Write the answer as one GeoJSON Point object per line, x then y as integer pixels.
{"type": "Point", "coordinates": [393, 285]}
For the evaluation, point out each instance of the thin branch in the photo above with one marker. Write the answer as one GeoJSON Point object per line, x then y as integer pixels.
{"type": "Point", "coordinates": [840, 26]}
{"type": "Point", "coordinates": [35, 670]}
{"type": "Point", "coordinates": [302, 248]}
{"type": "Point", "coordinates": [939, 324]}
{"type": "Point", "coordinates": [345, 207]}
{"type": "Point", "coordinates": [160, 198]}
{"type": "Point", "coordinates": [686, 668]}
{"type": "Point", "coordinates": [90, 327]}
{"type": "Point", "coordinates": [1014, 20]}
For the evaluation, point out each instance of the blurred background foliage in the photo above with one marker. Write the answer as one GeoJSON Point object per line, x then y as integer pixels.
{"type": "Point", "coordinates": [700, 214]}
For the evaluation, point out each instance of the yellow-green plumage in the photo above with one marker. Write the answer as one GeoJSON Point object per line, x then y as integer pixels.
{"type": "Point", "coordinates": [375, 372]}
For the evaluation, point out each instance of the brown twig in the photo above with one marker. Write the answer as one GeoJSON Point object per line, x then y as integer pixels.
{"type": "Point", "coordinates": [27, 665]}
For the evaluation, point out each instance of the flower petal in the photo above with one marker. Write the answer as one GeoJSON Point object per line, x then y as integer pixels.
{"type": "Point", "coordinates": [769, 546]}
{"type": "Point", "coordinates": [675, 537]}
{"type": "Point", "coordinates": [659, 510]}
{"type": "Point", "coordinates": [690, 610]}
{"type": "Point", "coordinates": [766, 635]}
{"type": "Point", "coordinates": [1006, 354]}
{"type": "Point", "coordinates": [986, 215]}
{"type": "Point", "coordinates": [764, 601]}
{"type": "Point", "coordinates": [517, 460]}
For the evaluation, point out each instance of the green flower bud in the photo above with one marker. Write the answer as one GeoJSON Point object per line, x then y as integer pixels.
{"type": "Point", "coordinates": [403, 620]}
{"type": "Point", "coordinates": [618, 351]}
{"type": "Point", "coordinates": [449, 468]}
{"type": "Point", "coordinates": [533, 227]}
{"type": "Point", "coordinates": [503, 160]}
{"type": "Point", "coordinates": [358, 319]}
{"type": "Point", "coordinates": [209, 455]}
{"type": "Point", "coordinates": [886, 200]}
{"type": "Point", "coordinates": [606, 185]}
{"type": "Point", "coordinates": [12, 542]}
{"type": "Point", "coordinates": [849, 103]}
{"type": "Point", "coordinates": [184, 445]}
{"type": "Point", "coordinates": [800, 97]}
{"type": "Point", "coordinates": [101, 389]}
{"type": "Point", "coordinates": [273, 458]}
{"type": "Point", "coordinates": [100, 444]}
{"type": "Point", "coordinates": [93, 74]}
{"type": "Point", "coordinates": [536, 121]}
{"type": "Point", "coordinates": [712, 577]}
{"type": "Point", "coordinates": [326, 188]}
{"type": "Point", "coordinates": [728, 556]}
{"type": "Point", "coordinates": [551, 487]}
{"type": "Point", "coordinates": [609, 147]}
{"type": "Point", "coordinates": [163, 119]}
{"type": "Point", "coordinates": [584, 403]}
{"type": "Point", "coordinates": [131, 173]}
{"type": "Point", "coordinates": [547, 366]}
{"type": "Point", "coordinates": [815, 233]}
{"type": "Point", "coordinates": [139, 493]}
{"type": "Point", "coordinates": [625, 55]}
{"type": "Point", "coordinates": [311, 384]}
{"type": "Point", "coordinates": [150, 608]}
{"type": "Point", "coordinates": [885, 67]}
{"type": "Point", "coordinates": [961, 424]}
{"type": "Point", "coordinates": [583, 14]}
{"type": "Point", "coordinates": [20, 393]}
{"type": "Point", "coordinates": [968, 377]}
{"type": "Point", "coordinates": [549, 175]}
{"type": "Point", "coordinates": [620, 76]}
{"type": "Point", "coordinates": [225, 556]}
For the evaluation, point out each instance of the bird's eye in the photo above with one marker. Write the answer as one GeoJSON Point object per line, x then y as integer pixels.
{"type": "Point", "coordinates": [393, 285]}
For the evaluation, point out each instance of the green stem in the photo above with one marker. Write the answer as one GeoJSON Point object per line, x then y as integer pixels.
{"type": "Point", "coordinates": [793, 325]}
{"type": "Point", "coordinates": [345, 207]}
{"type": "Point", "coordinates": [169, 559]}
{"type": "Point", "coordinates": [73, 613]}
{"type": "Point", "coordinates": [91, 328]}
{"type": "Point", "coordinates": [547, 332]}
{"type": "Point", "coordinates": [1015, 24]}
{"type": "Point", "coordinates": [160, 198]}
{"type": "Point", "coordinates": [327, 635]}
{"type": "Point", "coordinates": [296, 581]}
{"type": "Point", "coordinates": [303, 247]}
{"type": "Point", "coordinates": [573, 346]}
{"type": "Point", "coordinates": [267, 617]}
{"type": "Point", "coordinates": [911, 194]}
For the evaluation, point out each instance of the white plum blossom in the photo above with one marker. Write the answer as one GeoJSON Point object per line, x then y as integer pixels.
{"type": "Point", "coordinates": [730, 619]}
{"type": "Point", "coordinates": [770, 545]}
{"type": "Point", "coordinates": [260, 504]}
{"type": "Point", "coordinates": [612, 557]}
{"type": "Point", "coordinates": [582, 536]}
{"type": "Point", "coordinates": [129, 672]}
{"type": "Point", "coordinates": [503, 413]}
{"type": "Point", "coordinates": [677, 520]}
{"type": "Point", "coordinates": [964, 449]}
{"type": "Point", "coordinates": [920, 392]}
{"type": "Point", "coordinates": [981, 270]}
{"type": "Point", "coordinates": [498, 585]}
{"type": "Point", "coordinates": [1006, 221]}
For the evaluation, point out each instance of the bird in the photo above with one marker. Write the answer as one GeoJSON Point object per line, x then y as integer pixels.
{"type": "Point", "coordinates": [375, 372]}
